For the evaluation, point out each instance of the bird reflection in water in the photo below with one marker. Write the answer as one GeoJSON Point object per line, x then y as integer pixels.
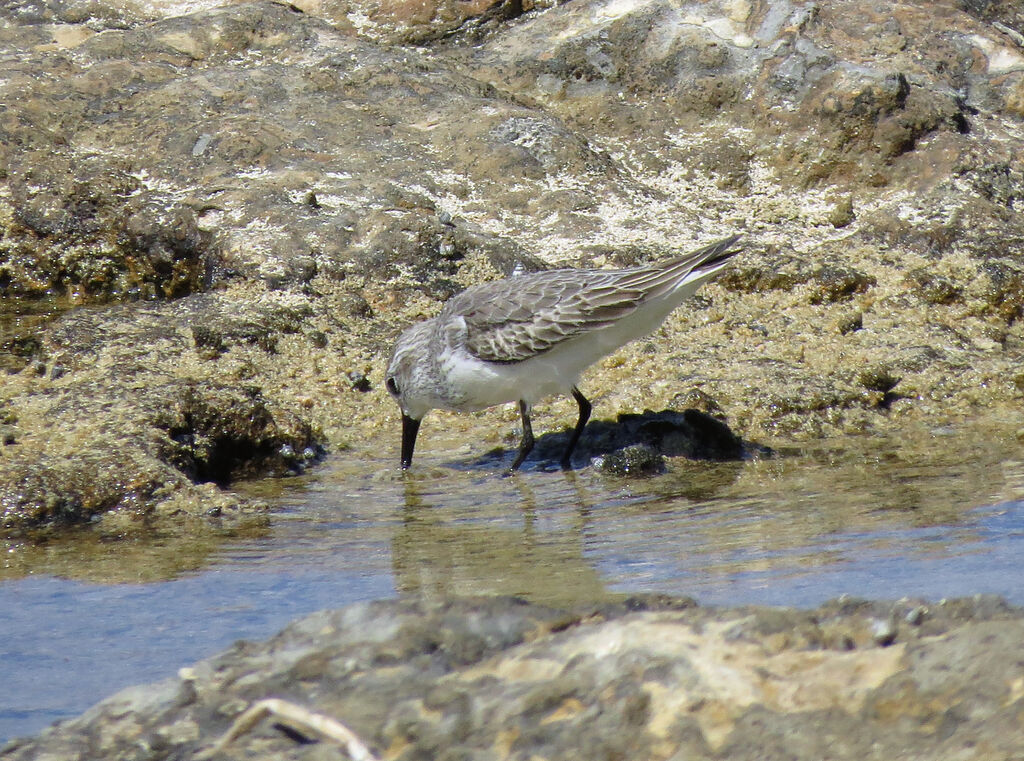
{"type": "Point", "coordinates": [437, 554]}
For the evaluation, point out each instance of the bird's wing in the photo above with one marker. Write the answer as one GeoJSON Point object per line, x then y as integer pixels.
{"type": "Point", "coordinates": [520, 317]}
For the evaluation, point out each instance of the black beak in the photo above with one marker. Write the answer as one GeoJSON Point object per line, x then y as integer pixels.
{"type": "Point", "coordinates": [410, 428]}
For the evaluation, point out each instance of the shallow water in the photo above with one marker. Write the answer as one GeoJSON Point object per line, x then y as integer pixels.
{"type": "Point", "coordinates": [940, 518]}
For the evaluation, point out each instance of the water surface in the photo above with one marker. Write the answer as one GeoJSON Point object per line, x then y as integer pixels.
{"type": "Point", "coordinates": [941, 517]}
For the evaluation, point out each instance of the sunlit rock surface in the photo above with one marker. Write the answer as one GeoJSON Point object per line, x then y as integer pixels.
{"type": "Point", "coordinates": [266, 193]}
{"type": "Point", "coordinates": [649, 678]}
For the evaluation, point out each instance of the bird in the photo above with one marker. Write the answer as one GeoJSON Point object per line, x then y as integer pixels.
{"type": "Point", "coordinates": [530, 336]}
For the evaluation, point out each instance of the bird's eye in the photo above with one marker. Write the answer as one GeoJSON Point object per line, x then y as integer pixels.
{"type": "Point", "coordinates": [392, 386]}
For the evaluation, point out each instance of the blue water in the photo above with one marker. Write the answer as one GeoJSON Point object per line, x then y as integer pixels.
{"type": "Point", "coordinates": [67, 644]}
{"type": "Point", "coordinates": [987, 558]}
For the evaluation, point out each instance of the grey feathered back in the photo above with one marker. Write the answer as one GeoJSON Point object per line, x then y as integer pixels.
{"type": "Point", "coordinates": [520, 317]}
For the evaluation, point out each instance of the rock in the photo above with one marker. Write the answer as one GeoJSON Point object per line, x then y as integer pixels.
{"type": "Point", "coordinates": [115, 436]}
{"type": "Point", "coordinates": [916, 615]}
{"type": "Point", "coordinates": [878, 379]}
{"type": "Point", "coordinates": [359, 381]}
{"type": "Point", "coordinates": [179, 436]}
{"type": "Point", "coordinates": [699, 400]}
{"type": "Point", "coordinates": [157, 245]}
{"type": "Point", "coordinates": [634, 461]}
{"type": "Point", "coordinates": [638, 444]}
{"type": "Point", "coordinates": [935, 288]}
{"type": "Point", "coordinates": [495, 677]}
{"type": "Point", "coordinates": [221, 434]}
{"type": "Point", "coordinates": [848, 323]}
{"type": "Point", "coordinates": [286, 186]}
{"type": "Point", "coordinates": [884, 632]}
{"type": "Point", "coordinates": [838, 283]}
{"type": "Point", "coordinates": [842, 213]}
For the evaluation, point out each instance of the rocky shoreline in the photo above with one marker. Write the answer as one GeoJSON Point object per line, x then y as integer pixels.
{"type": "Point", "coordinates": [249, 200]}
{"type": "Point", "coordinates": [645, 678]}
{"type": "Point", "coordinates": [230, 209]}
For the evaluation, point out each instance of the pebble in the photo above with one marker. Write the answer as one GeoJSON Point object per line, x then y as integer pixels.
{"type": "Point", "coordinates": [359, 381]}
{"type": "Point", "coordinates": [916, 615]}
{"type": "Point", "coordinates": [883, 632]}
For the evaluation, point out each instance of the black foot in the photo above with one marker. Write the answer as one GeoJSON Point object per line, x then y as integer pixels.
{"type": "Point", "coordinates": [585, 408]}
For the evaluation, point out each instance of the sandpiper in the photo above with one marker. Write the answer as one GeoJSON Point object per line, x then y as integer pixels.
{"type": "Point", "coordinates": [527, 337]}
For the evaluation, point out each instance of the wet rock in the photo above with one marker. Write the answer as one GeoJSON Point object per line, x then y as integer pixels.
{"type": "Point", "coordinates": [634, 461]}
{"type": "Point", "coordinates": [1005, 288]}
{"type": "Point", "coordinates": [100, 246]}
{"type": "Point", "coordinates": [838, 283]}
{"type": "Point", "coordinates": [58, 492]}
{"type": "Point", "coordinates": [262, 328]}
{"type": "Point", "coordinates": [115, 441]}
{"type": "Point", "coordinates": [178, 437]}
{"type": "Point", "coordinates": [699, 400]}
{"type": "Point", "coordinates": [639, 443]}
{"type": "Point", "coordinates": [17, 351]}
{"type": "Point", "coordinates": [708, 438]}
{"type": "Point", "coordinates": [468, 677]}
{"type": "Point", "coordinates": [351, 304]}
{"type": "Point", "coordinates": [209, 342]}
{"type": "Point", "coordinates": [878, 379]}
{"type": "Point", "coordinates": [319, 339]}
{"type": "Point", "coordinates": [771, 271]}
{"type": "Point", "coordinates": [826, 283]}
{"type": "Point", "coordinates": [936, 289]}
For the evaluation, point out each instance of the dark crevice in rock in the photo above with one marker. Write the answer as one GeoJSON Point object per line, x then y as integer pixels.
{"type": "Point", "coordinates": [221, 435]}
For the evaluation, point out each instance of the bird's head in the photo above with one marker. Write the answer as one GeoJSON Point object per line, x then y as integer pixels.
{"type": "Point", "coordinates": [409, 381]}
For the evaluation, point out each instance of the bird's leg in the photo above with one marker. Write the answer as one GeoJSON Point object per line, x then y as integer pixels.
{"type": "Point", "coordinates": [585, 408]}
{"type": "Point", "coordinates": [526, 443]}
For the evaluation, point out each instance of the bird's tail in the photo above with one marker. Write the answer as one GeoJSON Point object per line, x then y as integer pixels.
{"type": "Point", "coordinates": [693, 267]}
{"type": "Point", "coordinates": [711, 258]}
